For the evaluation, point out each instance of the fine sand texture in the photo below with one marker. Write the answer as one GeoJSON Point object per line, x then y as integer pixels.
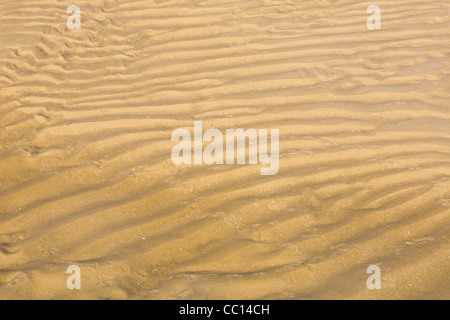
{"type": "Point", "coordinates": [87, 179]}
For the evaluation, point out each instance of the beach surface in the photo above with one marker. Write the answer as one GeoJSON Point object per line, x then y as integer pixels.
{"type": "Point", "coordinates": [87, 179]}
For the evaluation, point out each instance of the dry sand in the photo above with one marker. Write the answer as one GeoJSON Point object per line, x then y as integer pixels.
{"type": "Point", "coordinates": [86, 177]}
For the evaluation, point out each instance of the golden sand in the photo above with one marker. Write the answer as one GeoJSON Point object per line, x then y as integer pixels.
{"type": "Point", "coordinates": [86, 176]}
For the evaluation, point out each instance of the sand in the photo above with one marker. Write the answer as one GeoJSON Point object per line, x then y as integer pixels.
{"type": "Point", "coordinates": [86, 176]}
